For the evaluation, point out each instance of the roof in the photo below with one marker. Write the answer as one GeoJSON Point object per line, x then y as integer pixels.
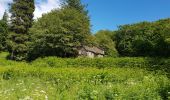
{"type": "Point", "coordinates": [94, 50]}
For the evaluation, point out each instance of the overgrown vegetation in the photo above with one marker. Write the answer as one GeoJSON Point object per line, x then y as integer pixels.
{"type": "Point", "coordinates": [144, 39]}
{"type": "Point", "coordinates": [106, 40]}
{"type": "Point", "coordinates": [59, 33]}
{"type": "Point", "coordinates": [152, 64]}
{"type": "Point", "coordinates": [63, 30]}
{"type": "Point", "coordinates": [50, 45]}
{"type": "Point", "coordinates": [57, 78]}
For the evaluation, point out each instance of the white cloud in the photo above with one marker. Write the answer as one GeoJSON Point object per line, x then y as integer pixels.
{"type": "Point", "coordinates": [42, 6]}
{"type": "Point", "coordinates": [3, 6]}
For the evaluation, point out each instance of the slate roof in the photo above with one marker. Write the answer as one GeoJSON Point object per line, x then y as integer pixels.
{"type": "Point", "coordinates": [94, 50]}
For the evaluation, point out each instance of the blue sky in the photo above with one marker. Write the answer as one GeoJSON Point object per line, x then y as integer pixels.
{"type": "Point", "coordinates": [108, 14]}
{"type": "Point", "coordinates": [42, 6]}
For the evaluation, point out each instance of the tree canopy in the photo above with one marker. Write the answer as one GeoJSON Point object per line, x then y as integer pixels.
{"type": "Point", "coordinates": [5, 17]}
{"type": "Point", "coordinates": [144, 39]}
{"type": "Point", "coordinates": [21, 20]}
{"type": "Point", "coordinates": [59, 33]}
{"type": "Point", "coordinates": [106, 42]}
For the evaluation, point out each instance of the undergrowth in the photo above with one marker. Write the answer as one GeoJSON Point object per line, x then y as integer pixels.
{"type": "Point", "coordinates": [84, 79]}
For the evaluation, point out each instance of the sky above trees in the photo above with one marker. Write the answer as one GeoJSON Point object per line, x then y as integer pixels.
{"type": "Point", "coordinates": [108, 14]}
{"type": "Point", "coordinates": [42, 6]}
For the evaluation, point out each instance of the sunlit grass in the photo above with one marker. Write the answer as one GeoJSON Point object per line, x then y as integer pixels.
{"type": "Point", "coordinates": [31, 81]}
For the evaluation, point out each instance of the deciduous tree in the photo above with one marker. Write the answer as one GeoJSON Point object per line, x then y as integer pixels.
{"type": "Point", "coordinates": [106, 42]}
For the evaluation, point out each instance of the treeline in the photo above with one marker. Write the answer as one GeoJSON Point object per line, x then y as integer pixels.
{"type": "Point", "coordinates": [57, 33]}
{"type": "Point", "coordinates": [141, 39]}
{"type": "Point", "coordinates": [61, 31]}
{"type": "Point", "coordinates": [144, 39]}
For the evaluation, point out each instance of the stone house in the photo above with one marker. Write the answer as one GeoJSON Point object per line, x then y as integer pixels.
{"type": "Point", "coordinates": [90, 52]}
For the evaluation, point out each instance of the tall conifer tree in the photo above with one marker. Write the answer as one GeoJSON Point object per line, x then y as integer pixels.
{"type": "Point", "coordinates": [21, 20]}
{"type": "Point", "coordinates": [5, 17]}
{"type": "Point", "coordinates": [75, 4]}
{"type": "Point", "coordinates": [3, 31]}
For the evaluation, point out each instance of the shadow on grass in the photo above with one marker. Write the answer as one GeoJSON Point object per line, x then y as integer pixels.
{"type": "Point", "coordinates": [159, 64]}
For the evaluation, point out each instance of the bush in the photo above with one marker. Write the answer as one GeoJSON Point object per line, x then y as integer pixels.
{"type": "Point", "coordinates": [58, 33]}
{"type": "Point", "coordinates": [144, 39]}
{"type": "Point", "coordinates": [152, 64]}
{"type": "Point", "coordinates": [79, 78]}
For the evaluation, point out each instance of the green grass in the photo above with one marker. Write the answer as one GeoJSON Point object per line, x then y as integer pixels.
{"type": "Point", "coordinates": [55, 79]}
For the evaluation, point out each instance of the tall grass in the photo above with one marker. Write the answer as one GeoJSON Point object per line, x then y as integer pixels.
{"type": "Point", "coordinates": [82, 79]}
{"type": "Point", "coordinates": [152, 64]}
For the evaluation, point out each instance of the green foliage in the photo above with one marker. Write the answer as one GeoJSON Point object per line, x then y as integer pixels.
{"type": "Point", "coordinates": [59, 33]}
{"type": "Point", "coordinates": [152, 64]}
{"type": "Point", "coordinates": [75, 4]}
{"type": "Point", "coordinates": [83, 83]}
{"type": "Point", "coordinates": [21, 20]}
{"type": "Point", "coordinates": [104, 39]}
{"type": "Point", "coordinates": [3, 35]}
{"type": "Point", "coordinates": [91, 41]}
{"type": "Point", "coordinates": [5, 17]}
{"type": "Point", "coordinates": [77, 79]}
{"type": "Point", "coordinates": [163, 28]}
{"type": "Point", "coordinates": [143, 39]}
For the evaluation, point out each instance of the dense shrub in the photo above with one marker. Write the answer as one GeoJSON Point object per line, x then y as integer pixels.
{"type": "Point", "coordinates": [60, 32]}
{"type": "Point", "coordinates": [153, 64]}
{"type": "Point", "coordinates": [105, 41]}
{"type": "Point", "coordinates": [50, 62]}
{"type": "Point", "coordinates": [88, 62]}
{"type": "Point", "coordinates": [84, 83]}
{"type": "Point", "coordinates": [119, 78]}
{"type": "Point", "coordinates": [144, 39]}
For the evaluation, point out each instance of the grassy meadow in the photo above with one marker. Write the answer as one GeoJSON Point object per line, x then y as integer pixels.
{"type": "Point", "coordinates": [54, 78]}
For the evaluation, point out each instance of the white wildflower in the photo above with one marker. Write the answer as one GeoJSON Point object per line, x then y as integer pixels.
{"type": "Point", "coordinates": [46, 97]}
{"type": "Point", "coordinates": [27, 98]}
{"type": "Point", "coordinates": [24, 89]}
{"type": "Point", "coordinates": [17, 84]}
{"type": "Point", "coordinates": [42, 91]}
{"type": "Point", "coordinates": [12, 89]}
{"type": "Point", "coordinates": [6, 91]}
{"type": "Point", "coordinates": [36, 90]}
{"type": "Point", "coordinates": [20, 83]}
{"type": "Point", "coordinates": [109, 85]}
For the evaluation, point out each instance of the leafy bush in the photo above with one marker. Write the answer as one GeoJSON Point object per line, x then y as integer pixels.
{"type": "Point", "coordinates": [152, 64]}
{"type": "Point", "coordinates": [105, 41]}
{"type": "Point", "coordinates": [50, 62]}
{"type": "Point", "coordinates": [144, 39]}
{"type": "Point", "coordinates": [84, 78]}
{"type": "Point", "coordinates": [88, 62]}
{"type": "Point", "coordinates": [59, 33]}
{"type": "Point", "coordinates": [83, 83]}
